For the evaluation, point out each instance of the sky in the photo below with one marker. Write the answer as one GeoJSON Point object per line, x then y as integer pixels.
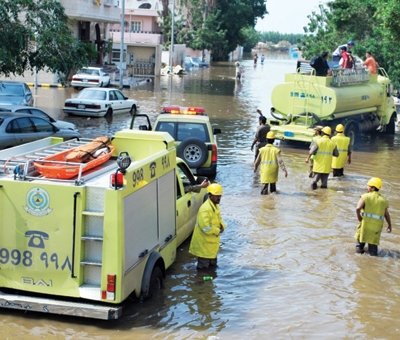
{"type": "Point", "coordinates": [287, 16]}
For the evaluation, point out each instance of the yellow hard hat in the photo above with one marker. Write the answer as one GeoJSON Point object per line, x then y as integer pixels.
{"type": "Point", "coordinates": [327, 130]}
{"type": "Point", "coordinates": [375, 182]}
{"type": "Point", "coordinates": [339, 128]}
{"type": "Point", "coordinates": [271, 135]}
{"type": "Point", "coordinates": [215, 189]}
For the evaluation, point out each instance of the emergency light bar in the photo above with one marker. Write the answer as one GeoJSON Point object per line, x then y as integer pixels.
{"type": "Point", "coordinates": [184, 110]}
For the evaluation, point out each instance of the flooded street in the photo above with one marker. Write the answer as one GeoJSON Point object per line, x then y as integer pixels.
{"type": "Point", "coordinates": [287, 264]}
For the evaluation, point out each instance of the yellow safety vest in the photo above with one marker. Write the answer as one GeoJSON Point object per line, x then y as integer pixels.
{"type": "Point", "coordinates": [269, 164]}
{"type": "Point", "coordinates": [323, 157]}
{"type": "Point", "coordinates": [370, 228]}
{"type": "Point", "coordinates": [342, 143]}
{"type": "Point", "coordinates": [205, 240]}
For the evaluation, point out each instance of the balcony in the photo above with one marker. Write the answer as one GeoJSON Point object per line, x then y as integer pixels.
{"type": "Point", "coordinates": [137, 37]}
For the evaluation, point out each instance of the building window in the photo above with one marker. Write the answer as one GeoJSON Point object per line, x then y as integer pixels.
{"type": "Point", "coordinates": [136, 26]}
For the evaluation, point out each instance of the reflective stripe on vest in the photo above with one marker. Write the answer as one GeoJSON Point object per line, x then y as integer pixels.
{"type": "Point", "coordinates": [324, 153]}
{"type": "Point", "coordinates": [204, 230]}
{"type": "Point", "coordinates": [269, 162]}
{"type": "Point", "coordinates": [373, 216]}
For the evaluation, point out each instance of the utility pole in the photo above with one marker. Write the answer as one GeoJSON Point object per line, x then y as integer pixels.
{"type": "Point", "coordinates": [171, 57]}
{"type": "Point", "coordinates": [121, 56]}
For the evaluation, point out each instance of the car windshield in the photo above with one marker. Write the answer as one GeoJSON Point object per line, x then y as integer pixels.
{"type": "Point", "coordinates": [92, 94]}
{"type": "Point", "coordinates": [185, 130]}
{"type": "Point", "coordinates": [11, 90]}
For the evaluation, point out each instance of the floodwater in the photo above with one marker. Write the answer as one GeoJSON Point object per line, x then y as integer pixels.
{"type": "Point", "coordinates": [287, 267]}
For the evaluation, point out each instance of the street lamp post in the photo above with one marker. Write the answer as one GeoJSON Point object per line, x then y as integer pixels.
{"type": "Point", "coordinates": [121, 55]}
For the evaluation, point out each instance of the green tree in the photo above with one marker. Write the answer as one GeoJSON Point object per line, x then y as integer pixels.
{"type": "Point", "coordinates": [35, 34]}
{"type": "Point", "coordinates": [377, 29]}
{"type": "Point", "coordinates": [252, 38]}
{"type": "Point", "coordinates": [215, 24]}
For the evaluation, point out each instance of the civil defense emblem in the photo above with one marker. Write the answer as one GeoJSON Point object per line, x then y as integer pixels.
{"type": "Point", "coordinates": [37, 202]}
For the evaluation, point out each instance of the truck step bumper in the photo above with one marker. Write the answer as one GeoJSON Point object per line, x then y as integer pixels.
{"type": "Point", "coordinates": [44, 305]}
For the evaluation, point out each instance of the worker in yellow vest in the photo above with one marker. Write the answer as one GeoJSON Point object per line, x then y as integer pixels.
{"type": "Point", "coordinates": [317, 134]}
{"type": "Point", "coordinates": [270, 158]}
{"type": "Point", "coordinates": [209, 226]}
{"type": "Point", "coordinates": [343, 145]}
{"type": "Point", "coordinates": [372, 210]}
{"type": "Point", "coordinates": [324, 150]}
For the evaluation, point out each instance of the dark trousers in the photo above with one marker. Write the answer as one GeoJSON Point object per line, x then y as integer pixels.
{"type": "Point", "coordinates": [317, 177]}
{"type": "Point", "coordinates": [264, 190]}
{"type": "Point", "coordinates": [337, 172]}
{"type": "Point", "coordinates": [203, 263]}
{"type": "Point", "coordinates": [372, 248]}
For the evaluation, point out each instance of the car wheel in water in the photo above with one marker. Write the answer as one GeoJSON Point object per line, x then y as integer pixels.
{"type": "Point", "coordinates": [193, 151]}
{"type": "Point", "coordinates": [108, 113]}
{"type": "Point", "coordinates": [133, 110]}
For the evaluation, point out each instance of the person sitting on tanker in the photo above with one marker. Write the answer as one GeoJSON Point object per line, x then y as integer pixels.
{"type": "Point", "coordinates": [372, 209]}
{"type": "Point", "coordinates": [260, 138]}
{"type": "Point", "coordinates": [320, 65]}
{"type": "Point", "coordinates": [270, 159]}
{"type": "Point", "coordinates": [371, 63]}
{"type": "Point", "coordinates": [337, 54]}
{"type": "Point", "coordinates": [324, 149]}
{"type": "Point", "coordinates": [317, 134]}
{"type": "Point", "coordinates": [209, 226]}
{"type": "Point", "coordinates": [344, 148]}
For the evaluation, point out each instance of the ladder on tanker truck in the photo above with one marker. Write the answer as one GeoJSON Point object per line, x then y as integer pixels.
{"type": "Point", "coordinates": [301, 94]}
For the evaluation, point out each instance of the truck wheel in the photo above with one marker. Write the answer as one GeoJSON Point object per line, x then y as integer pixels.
{"type": "Point", "coordinates": [391, 127]}
{"type": "Point", "coordinates": [193, 151]}
{"type": "Point", "coordinates": [156, 282]}
{"type": "Point", "coordinates": [351, 131]}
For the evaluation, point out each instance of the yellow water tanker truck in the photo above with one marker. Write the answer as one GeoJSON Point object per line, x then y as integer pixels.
{"type": "Point", "coordinates": [362, 102]}
{"type": "Point", "coordinates": [80, 246]}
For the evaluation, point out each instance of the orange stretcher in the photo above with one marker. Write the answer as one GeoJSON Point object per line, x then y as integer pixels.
{"type": "Point", "coordinates": [55, 166]}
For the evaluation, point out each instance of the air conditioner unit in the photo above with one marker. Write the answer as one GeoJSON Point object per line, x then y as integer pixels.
{"type": "Point", "coordinates": [116, 3]}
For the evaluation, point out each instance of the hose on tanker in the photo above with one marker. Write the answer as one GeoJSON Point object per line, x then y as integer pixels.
{"type": "Point", "coordinates": [289, 117]}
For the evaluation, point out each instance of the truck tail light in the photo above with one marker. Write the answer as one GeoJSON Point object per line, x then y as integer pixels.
{"type": "Point", "coordinates": [117, 180]}
{"type": "Point", "coordinates": [214, 153]}
{"type": "Point", "coordinates": [109, 294]}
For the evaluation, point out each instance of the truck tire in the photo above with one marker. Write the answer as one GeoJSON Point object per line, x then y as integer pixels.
{"type": "Point", "coordinates": [351, 131]}
{"type": "Point", "coordinates": [156, 282]}
{"type": "Point", "coordinates": [391, 127]}
{"type": "Point", "coordinates": [193, 151]}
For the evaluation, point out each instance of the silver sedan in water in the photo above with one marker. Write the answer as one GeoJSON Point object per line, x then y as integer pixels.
{"type": "Point", "coordinates": [100, 102]}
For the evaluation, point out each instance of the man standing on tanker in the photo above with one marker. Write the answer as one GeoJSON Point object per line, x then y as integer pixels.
{"type": "Point", "coordinates": [337, 54]}
{"type": "Point", "coordinates": [372, 210]}
{"type": "Point", "coordinates": [324, 150]}
{"type": "Point", "coordinates": [343, 145]}
{"type": "Point", "coordinates": [209, 225]}
{"type": "Point", "coordinates": [260, 138]}
{"type": "Point", "coordinates": [270, 159]}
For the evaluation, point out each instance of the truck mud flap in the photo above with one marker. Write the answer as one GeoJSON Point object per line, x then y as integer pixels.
{"type": "Point", "coordinates": [44, 305]}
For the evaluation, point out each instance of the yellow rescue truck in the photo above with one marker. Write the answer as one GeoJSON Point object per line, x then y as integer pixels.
{"type": "Point", "coordinates": [362, 102]}
{"type": "Point", "coordinates": [81, 246]}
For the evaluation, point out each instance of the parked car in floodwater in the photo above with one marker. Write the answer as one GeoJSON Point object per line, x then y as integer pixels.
{"type": "Point", "coordinates": [15, 93]}
{"type": "Point", "coordinates": [99, 102]}
{"type": "Point", "coordinates": [21, 128]}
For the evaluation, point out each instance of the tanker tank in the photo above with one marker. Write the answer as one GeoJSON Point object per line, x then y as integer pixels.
{"type": "Point", "coordinates": [300, 93]}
